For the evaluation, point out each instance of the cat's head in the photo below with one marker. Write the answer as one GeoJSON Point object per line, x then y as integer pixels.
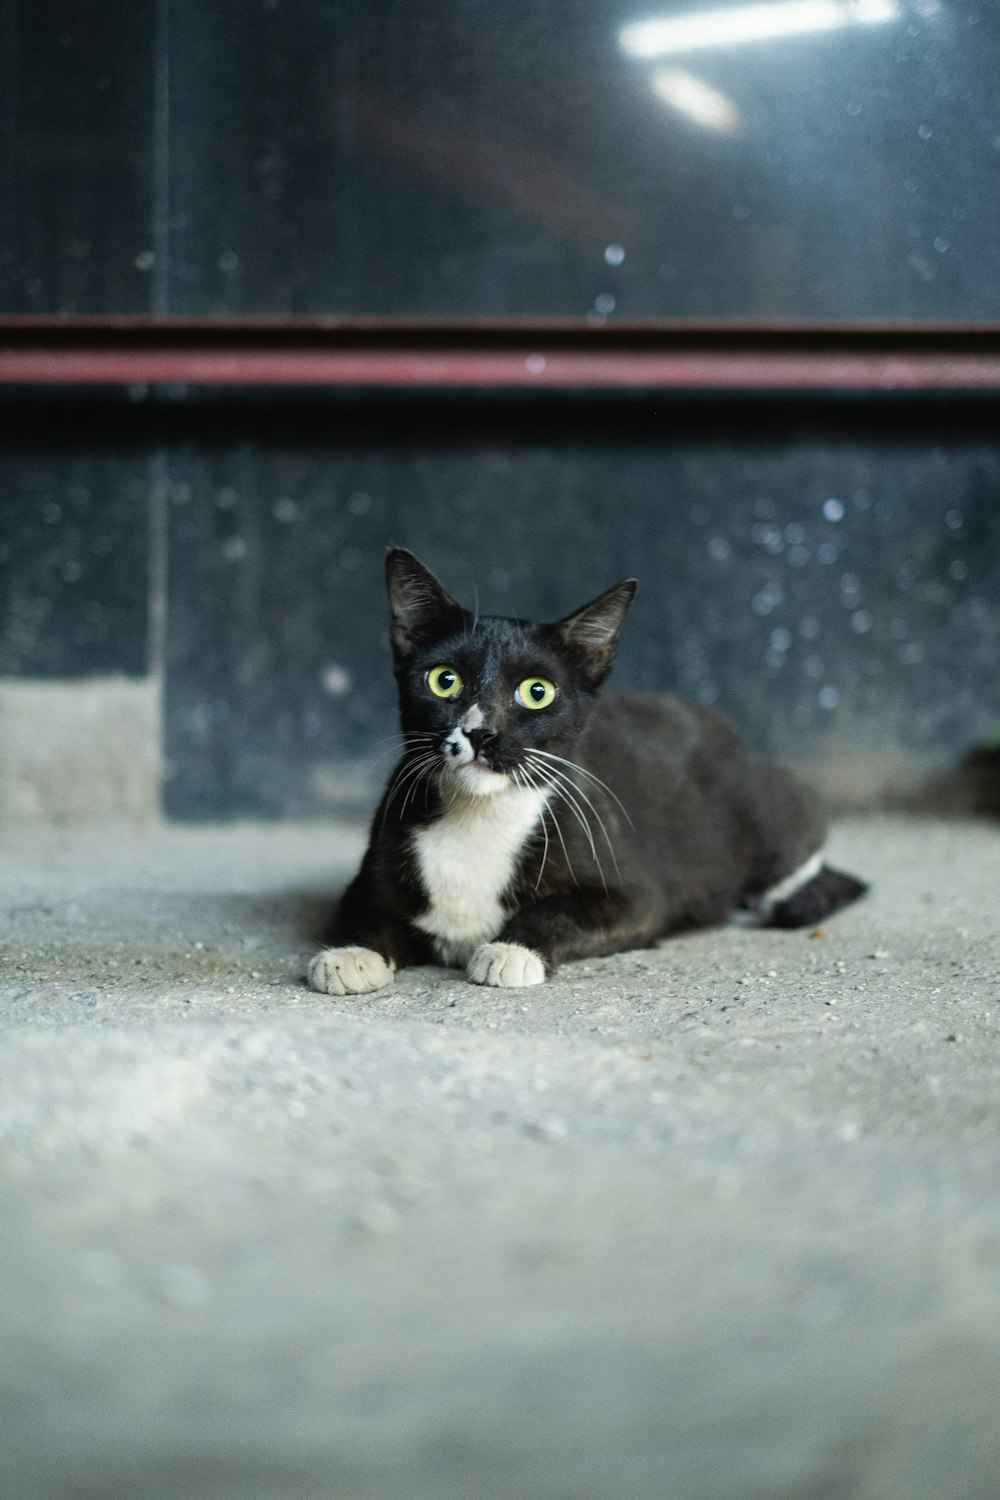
{"type": "Point", "coordinates": [486, 693]}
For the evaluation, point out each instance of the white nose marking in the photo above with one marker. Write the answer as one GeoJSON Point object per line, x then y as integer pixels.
{"type": "Point", "coordinates": [473, 719]}
{"type": "Point", "coordinates": [459, 747]}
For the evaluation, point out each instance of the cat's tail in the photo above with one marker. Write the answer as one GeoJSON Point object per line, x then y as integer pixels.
{"type": "Point", "coordinates": [820, 891]}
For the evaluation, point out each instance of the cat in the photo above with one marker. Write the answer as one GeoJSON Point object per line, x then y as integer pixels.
{"type": "Point", "coordinates": [531, 821]}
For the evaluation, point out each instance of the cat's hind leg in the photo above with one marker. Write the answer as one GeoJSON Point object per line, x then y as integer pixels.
{"type": "Point", "coordinates": [809, 894]}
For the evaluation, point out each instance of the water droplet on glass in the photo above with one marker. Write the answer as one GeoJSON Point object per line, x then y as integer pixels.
{"type": "Point", "coordinates": [336, 680]}
{"type": "Point", "coordinates": [145, 260]}
{"type": "Point", "coordinates": [861, 622]}
{"type": "Point", "coordinates": [604, 303]}
{"type": "Point", "coordinates": [535, 364]}
{"type": "Point", "coordinates": [954, 520]}
{"type": "Point", "coordinates": [827, 553]}
{"type": "Point", "coordinates": [614, 254]}
{"type": "Point", "coordinates": [285, 510]}
{"type": "Point", "coordinates": [941, 244]}
{"type": "Point", "coordinates": [719, 549]}
{"type": "Point", "coordinates": [925, 132]}
{"type": "Point", "coordinates": [833, 509]}
{"type": "Point", "coordinates": [828, 697]}
{"type": "Point", "coordinates": [781, 639]}
{"type": "Point", "coordinates": [767, 601]}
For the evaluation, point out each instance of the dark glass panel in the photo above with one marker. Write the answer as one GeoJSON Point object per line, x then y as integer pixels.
{"type": "Point", "coordinates": [775, 159]}
{"type": "Point", "coordinates": [77, 121]}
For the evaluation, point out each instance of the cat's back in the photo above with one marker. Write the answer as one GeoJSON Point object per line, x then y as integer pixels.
{"type": "Point", "coordinates": [660, 731]}
{"type": "Point", "coordinates": [687, 779]}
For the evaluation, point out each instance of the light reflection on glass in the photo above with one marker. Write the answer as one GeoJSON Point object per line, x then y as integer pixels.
{"type": "Point", "coordinates": [734, 25]}
{"type": "Point", "coordinates": [697, 100]}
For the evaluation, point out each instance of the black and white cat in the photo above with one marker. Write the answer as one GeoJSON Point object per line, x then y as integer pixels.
{"type": "Point", "coordinates": [530, 821]}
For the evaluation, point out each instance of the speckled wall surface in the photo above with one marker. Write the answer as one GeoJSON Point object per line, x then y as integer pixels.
{"type": "Point", "coordinates": [841, 594]}
{"type": "Point", "coordinates": [831, 582]}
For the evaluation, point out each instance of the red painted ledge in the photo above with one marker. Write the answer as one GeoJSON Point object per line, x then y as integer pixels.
{"type": "Point", "coordinates": [522, 355]}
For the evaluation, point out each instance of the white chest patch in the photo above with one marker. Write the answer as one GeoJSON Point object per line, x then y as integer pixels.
{"type": "Point", "coordinates": [466, 860]}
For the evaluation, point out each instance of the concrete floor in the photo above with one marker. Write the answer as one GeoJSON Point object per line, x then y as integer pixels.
{"type": "Point", "coordinates": [719, 1221]}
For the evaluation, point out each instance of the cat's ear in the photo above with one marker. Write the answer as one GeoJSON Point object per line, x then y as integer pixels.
{"type": "Point", "coordinates": [591, 633]}
{"type": "Point", "coordinates": [421, 607]}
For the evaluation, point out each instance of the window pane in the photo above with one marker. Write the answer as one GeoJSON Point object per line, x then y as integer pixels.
{"type": "Point", "coordinates": [617, 158]}
{"type": "Point", "coordinates": [77, 178]}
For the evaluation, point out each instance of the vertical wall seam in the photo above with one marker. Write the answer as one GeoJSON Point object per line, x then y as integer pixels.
{"type": "Point", "coordinates": [159, 461]}
{"type": "Point", "coordinates": [160, 186]}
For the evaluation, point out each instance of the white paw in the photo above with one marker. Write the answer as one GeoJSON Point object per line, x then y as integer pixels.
{"type": "Point", "coordinates": [348, 971]}
{"type": "Point", "coordinates": [506, 964]}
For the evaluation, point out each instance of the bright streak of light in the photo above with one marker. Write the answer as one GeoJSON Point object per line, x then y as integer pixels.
{"type": "Point", "coordinates": [692, 97]}
{"type": "Point", "coordinates": [736, 24]}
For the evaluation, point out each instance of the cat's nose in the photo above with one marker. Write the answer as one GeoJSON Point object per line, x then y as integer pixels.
{"type": "Point", "coordinates": [480, 738]}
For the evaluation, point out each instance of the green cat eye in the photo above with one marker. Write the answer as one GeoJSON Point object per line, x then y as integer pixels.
{"type": "Point", "coordinates": [535, 692]}
{"type": "Point", "coordinates": [444, 682]}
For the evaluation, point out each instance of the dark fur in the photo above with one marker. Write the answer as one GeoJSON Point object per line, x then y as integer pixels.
{"type": "Point", "coordinates": [699, 824]}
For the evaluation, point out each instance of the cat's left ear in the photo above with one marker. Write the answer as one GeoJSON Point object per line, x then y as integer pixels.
{"type": "Point", "coordinates": [591, 634]}
{"type": "Point", "coordinates": [421, 607]}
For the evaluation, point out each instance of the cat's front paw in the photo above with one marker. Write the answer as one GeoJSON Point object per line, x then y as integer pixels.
{"type": "Point", "coordinates": [506, 964]}
{"type": "Point", "coordinates": [349, 971]}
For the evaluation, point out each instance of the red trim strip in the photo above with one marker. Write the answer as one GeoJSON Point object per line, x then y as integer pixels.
{"type": "Point", "coordinates": [518, 355]}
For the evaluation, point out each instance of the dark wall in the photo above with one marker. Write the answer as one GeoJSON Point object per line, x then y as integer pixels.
{"type": "Point", "coordinates": [832, 582]}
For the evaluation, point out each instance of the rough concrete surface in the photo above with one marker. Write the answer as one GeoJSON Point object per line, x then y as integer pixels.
{"type": "Point", "coordinates": [719, 1221]}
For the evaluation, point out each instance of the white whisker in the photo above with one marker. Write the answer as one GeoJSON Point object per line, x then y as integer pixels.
{"type": "Point", "coordinates": [596, 780]}
{"type": "Point", "coordinates": [523, 778]}
{"type": "Point", "coordinates": [551, 779]}
{"type": "Point", "coordinates": [600, 821]}
{"type": "Point", "coordinates": [409, 771]}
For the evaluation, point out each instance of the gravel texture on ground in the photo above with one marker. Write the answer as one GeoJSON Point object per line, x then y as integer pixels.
{"type": "Point", "coordinates": [715, 1221]}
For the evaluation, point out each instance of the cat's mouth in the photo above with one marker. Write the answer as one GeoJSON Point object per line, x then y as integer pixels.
{"type": "Point", "coordinates": [475, 774]}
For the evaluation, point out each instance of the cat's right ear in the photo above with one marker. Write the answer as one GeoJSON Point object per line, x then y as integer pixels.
{"type": "Point", "coordinates": [421, 607]}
